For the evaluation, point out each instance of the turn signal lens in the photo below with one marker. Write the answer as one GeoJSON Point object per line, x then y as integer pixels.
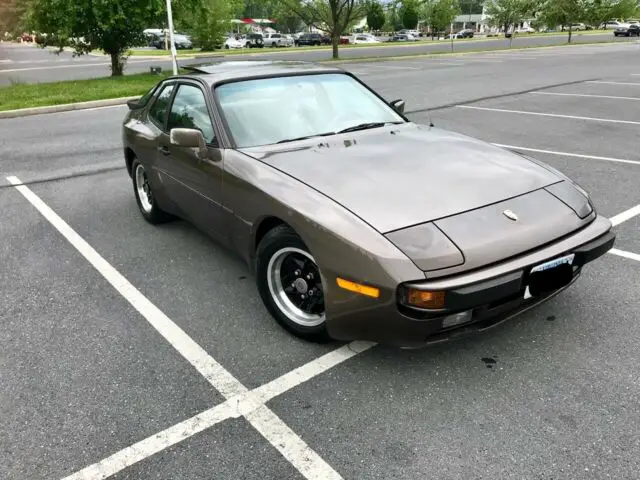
{"type": "Point", "coordinates": [358, 288]}
{"type": "Point", "coordinates": [425, 299]}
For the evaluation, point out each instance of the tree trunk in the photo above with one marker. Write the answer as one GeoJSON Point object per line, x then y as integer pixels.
{"type": "Point", "coordinates": [570, 32]}
{"type": "Point", "coordinates": [117, 64]}
{"type": "Point", "coordinates": [335, 42]}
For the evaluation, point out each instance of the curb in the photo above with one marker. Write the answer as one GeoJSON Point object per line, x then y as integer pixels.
{"type": "Point", "coordinates": [67, 107]}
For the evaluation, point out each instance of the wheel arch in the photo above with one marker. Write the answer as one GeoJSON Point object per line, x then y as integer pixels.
{"type": "Point", "coordinates": [129, 157]}
{"type": "Point", "coordinates": [264, 226]}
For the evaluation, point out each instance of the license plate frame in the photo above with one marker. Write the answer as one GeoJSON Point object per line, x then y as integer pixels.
{"type": "Point", "coordinates": [549, 266]}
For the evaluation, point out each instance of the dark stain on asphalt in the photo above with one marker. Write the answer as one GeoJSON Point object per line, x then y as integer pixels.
{"type": "Point", "coordinates": [488, 361]}
{"type": "Point", "coordinates": [242, 277]}
{"type": "Point", "coordinates": [551, 318]}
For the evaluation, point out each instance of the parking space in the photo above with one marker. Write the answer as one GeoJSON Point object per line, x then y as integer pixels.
{"type": "Point", "coordinates": [93, 373]}
{"type": "Point", "coordinates": [81, 374]}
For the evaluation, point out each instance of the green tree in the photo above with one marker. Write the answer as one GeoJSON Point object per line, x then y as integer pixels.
{"type": "Point", "coordinates": [332, 16]}
{"type": "Point", "coordinates": [286, 18]}
{"type": "Point", "coordinates": [439, 14]}
{"type": "Point", "coordinates": [375, 15]}
{"type": "Point", "coordinates": [563, 12]}
{"type": "Point", "coordinates": [509, 13]}
{"type": "Point", "coordinates": [471, 7]}
{"type": "Point", "coordinates": [259, 8]}
{"type": "Point", "coordinates": [11, 16]}
{"type": "Point", "coordinates": [409, 14]}
{"type": "Point", "coordinates": [624, 9]}
{"type": "Point", "coordinates": [206, 20]}
{"type": "Point", "coordinates": [599, 11]}
{"type": "Point", "coordinates": [113, 26]}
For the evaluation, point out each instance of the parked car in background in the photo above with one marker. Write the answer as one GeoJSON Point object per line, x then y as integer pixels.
{"type": "Point", "coordinates": [627, 30]}
{"type": "Point", "coordinates": [312, 39]}
{"type": "Point", "coordinates": [466, 33]}
{"type": "Point", "coordinates": [415, 33]}
{"type": "Point", "coordinates": [182, 42]}
{"type": "Point", "coordinates": [277, 40]}
{"type": "Point", "coordinates": [255, 40]}
{"type": "Point", "coordinates": [403, 37]}
{"type": "Point", "coordinates": [364, 38]}
{"type": "Point", "coordinates": [234, 43]}
{"type": "Point", "coordinates": [576, 27]}
{"type": "Point", "coordinates": [612, 25]}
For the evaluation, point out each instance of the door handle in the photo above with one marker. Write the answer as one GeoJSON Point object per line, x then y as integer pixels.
{"type": "Point", "coordinates": [164, 150]}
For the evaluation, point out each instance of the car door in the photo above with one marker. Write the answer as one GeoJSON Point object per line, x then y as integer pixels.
{"type": "Point", "coordinates": [195, 181]}
{"type": "Point", "coordinates": [149, 141]}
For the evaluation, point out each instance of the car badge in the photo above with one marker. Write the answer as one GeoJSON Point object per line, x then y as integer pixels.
{"type": "Point", "coordinates": [510, 215]}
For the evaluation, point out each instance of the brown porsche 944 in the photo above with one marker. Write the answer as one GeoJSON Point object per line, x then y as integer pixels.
{"type": "Point", "coordinates": [357, 222]}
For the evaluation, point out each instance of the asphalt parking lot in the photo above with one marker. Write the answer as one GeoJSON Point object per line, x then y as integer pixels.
{"type": "Point", "coordinates": [132, 351]}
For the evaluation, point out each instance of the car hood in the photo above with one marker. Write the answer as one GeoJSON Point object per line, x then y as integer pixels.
{"type": "Point", "coordinates": [403, 175]}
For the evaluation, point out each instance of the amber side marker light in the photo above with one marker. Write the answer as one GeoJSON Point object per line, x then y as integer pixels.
{"type": "Point", "coordinates": [358, 288]}
{"type": "Point", "coordinates": [425, 299]}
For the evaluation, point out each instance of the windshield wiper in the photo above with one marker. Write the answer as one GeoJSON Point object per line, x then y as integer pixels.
{"type": "Point", "coordinates": [307, 137]}
{"type": "Point", "coordinates": [366, 126]}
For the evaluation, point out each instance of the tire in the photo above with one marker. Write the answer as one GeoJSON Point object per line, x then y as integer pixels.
{"type": "Point", "coordinates": [278, 253]}
{"type": "Point", "coordinates": [147, 204]}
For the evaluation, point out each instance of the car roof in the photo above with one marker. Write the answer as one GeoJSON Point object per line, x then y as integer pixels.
{"type": "Point", "coordinates": [214, 73]}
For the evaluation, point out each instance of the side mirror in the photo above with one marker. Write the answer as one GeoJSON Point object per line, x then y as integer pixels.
{"type": "Point", "coordinates": [188, 138]}
{"type": "Point", "coordinates": [398, 105]}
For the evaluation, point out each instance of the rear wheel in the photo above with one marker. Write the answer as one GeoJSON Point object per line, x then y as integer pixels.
{"type": "Point", "coordinates": [144, 196]}
{"type": "Point", "coordinates": [290, 284]}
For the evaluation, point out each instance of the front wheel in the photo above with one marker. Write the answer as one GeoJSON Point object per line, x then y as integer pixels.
{"type": "Point", "coordinates": [290, 284]}
{"type": "Point", "coordinates": [144, 196]}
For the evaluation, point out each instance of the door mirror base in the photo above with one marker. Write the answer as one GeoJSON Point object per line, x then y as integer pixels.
{"type": "Point", "coordinates": [398, 105]}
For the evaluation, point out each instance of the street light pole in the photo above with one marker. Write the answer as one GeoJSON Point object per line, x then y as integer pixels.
{"type": "Point", "coordinates": [174, 59]}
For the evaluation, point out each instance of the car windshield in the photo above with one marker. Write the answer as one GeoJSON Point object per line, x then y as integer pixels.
{"type": "Point", "coordinates": [271, 110]}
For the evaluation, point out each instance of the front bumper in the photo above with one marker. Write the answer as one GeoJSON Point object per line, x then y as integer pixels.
{"type": "Point", "coordinates": [493, 295]}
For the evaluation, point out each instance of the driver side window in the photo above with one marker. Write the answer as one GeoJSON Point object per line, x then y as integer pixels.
{"type": "Point", "coordinates": [189, 110]}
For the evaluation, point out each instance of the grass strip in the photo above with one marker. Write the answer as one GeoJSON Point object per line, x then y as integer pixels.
{"type": "Point", "coordinates": [47, 94]}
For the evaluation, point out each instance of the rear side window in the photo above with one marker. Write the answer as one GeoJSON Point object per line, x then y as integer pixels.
{"type": "Point", "coordinates": [147, 96]}
{"type": "Point", "coordinates": [160, 108]}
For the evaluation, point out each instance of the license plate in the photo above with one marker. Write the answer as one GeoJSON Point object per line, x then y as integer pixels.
{"type": "Point", "coordinates": [548, 267]}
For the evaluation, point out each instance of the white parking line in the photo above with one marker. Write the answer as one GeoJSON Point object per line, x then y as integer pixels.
{"type": "Point", "coordinates": [624, 254]}
{"type": "Point", "coordinates": [292, 447]}
{"type": "Point", "coordinates": [566, 154]}
{"type": "Point", "coordinates": [155, 443]}
{"type": "Point", "coordinates": [626, 215]}
{"type": "Point", "coordinates": [584, 95]}
{"type": "Point", "coordinates": [555, 115]}
{"type": "Point", "coordinates": [247, 404]}
{"type": "Point", "coordinates": [611, 83]}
